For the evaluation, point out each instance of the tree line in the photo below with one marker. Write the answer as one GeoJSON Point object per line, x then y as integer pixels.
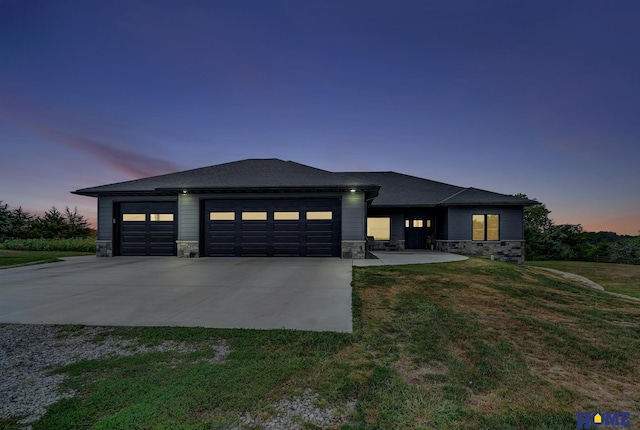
{"type": "Point", "coordinates": [548, 241]}
{"type": "Point", "coordinates": [18, 224]}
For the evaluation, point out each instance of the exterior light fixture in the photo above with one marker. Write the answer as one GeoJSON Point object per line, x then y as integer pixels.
{"type": "Point", "coordinates": [353, 190]}
{"type": "Point", "coordinates": [184, 191]}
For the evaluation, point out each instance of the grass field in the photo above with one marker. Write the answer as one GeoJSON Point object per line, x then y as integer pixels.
{"type": "Point", "coordinates": [475, 344]}
{"type": "Point", "coordinates": [13, 258]}
{"type": "Point", "coordinates": [617, 278]}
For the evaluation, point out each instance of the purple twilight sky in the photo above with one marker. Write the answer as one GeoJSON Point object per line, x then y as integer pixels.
{"type": "Point", "coordinates": [535, 97]}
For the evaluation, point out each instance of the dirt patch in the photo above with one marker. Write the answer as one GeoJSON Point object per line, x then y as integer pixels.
{"type": "Point", "coordinates": [414, 374]}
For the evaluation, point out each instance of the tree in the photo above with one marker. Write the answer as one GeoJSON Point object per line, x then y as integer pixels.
{"type": "Point", "coordinates": [76, 224]}
{"type": "Point", "coordinates": [51, 226]}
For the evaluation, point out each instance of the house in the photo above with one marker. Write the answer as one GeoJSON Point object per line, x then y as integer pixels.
{"type": "Point", "coordinates": [270, 207]}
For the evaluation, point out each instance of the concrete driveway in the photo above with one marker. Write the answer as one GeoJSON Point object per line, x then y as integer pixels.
{"type": "Point", "coordinates": [260, 293]}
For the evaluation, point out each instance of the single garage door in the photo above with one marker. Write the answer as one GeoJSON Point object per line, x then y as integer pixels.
{"type": "Point", "coordinates": [271, 228]}
{"type": "Point", "coordinates": [147, 228]}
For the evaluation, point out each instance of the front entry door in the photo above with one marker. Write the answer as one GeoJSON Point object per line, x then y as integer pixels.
{"type": "Point", "coordinates": [415, 233]}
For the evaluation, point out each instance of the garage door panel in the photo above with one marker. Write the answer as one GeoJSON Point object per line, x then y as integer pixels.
{"type": "Point", "coordinates": [285, 232]}
{"type": "Point", "coordinates": [151, 232]}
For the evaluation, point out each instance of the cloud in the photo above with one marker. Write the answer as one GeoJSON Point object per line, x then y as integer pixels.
{"type": "Point", "coordinates": [65, 130]}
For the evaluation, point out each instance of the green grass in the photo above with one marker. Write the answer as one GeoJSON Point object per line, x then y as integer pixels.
{"type": "Point", "coordinates": [13, 258]}
{"type": "Point", "coordinates": [473, 344]}
{"type": "Point", "coordinates": [617, 278]}
{"type": "Point", "coordinates": [64, 245]}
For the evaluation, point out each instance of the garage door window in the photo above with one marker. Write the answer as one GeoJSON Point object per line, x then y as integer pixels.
{"type": "Point", "coordinates": [222, 216]}
{"type": "Point", "coordinates": [320, 215]}
{"type": "Point", "coordinates": [161, 217]}
{"type": "Point", "coordinates": [254, 216]}
{"type": "Point", "coordinates": [284, 216]}
{"type": "Point", "coordinates": [134, 217]}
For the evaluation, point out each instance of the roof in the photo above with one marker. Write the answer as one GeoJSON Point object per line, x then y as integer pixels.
{"type": "Point", "coordinates": [398, 190]}
{"type": "Point", "coordinates": [387, 189]}
{"type": "Point", "coordinates": [245, 175]}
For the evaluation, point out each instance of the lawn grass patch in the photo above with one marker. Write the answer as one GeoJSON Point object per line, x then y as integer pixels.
{"type": "Point", "coordinates": [617, 278]}
{"type": "Point", "coordinates": [16, 258]}
{"type": "Point", "coordinates": [469, 344]}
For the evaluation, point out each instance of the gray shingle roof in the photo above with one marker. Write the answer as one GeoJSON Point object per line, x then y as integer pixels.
{"type": "Point", "coordinates": [397, 189]}
{"type": "Point", "coordinates": [238, 175]}
{"type": "Point", "coordinates": [387, 188]}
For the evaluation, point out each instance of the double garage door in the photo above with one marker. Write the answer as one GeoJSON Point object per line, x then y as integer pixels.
{"type": "Point", "coordinates": [309, 227]}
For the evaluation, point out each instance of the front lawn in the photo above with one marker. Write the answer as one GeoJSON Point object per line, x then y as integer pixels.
{"type": "Point", "coordinates": [617, 278]}
{"type": "Point", "coordinates": [471, 344]}
{"type": "Point", "coordinates": [13, 258]}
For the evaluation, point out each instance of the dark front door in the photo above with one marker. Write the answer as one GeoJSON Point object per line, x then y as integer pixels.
{"type": "Point", "coordinates": [270, 228]}
{"type": "Point", "coordinates": [415, 233]}
{"type": "Point", "coordinates": [147, 228]}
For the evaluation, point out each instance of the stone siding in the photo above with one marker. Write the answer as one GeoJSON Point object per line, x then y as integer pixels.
{"type": "Point", "coordinates": [355, 249]}
{"type": "Point", "coordinates": [511, 251]}
{"type": "Point", "coordinates": [188, 248]}
{"type": "Point", "coordinates": [104, 248]}
{"type": "Point", "coordinates": [385, 245]}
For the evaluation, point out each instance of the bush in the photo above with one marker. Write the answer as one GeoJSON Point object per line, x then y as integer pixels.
{"type": "Point", "coordinates": [73, 245]}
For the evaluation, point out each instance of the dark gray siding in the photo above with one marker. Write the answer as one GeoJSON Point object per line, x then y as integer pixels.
{"type": "Point", "coordinates": [442, 224]}
{"type": "Point", "coordinates": [397, 225]}
{"type": "Point", "coordinates": [511, 222]}
{"type": "Point", "coordinates": [189, 217]}
{"type": "Point", "coordinates": [353, 216]}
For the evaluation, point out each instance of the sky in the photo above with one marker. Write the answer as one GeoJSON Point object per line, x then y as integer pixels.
{"type": "Point", "coordinates": [535, 97]}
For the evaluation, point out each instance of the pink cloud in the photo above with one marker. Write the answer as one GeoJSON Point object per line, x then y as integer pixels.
{"type": "Point", "coordinates": [65, 130]}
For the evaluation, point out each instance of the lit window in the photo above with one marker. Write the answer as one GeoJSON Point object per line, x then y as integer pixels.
{"type": "Point", "coordinates": [254, 216]}
{"type": "Point", "coordinates": [428, 223]}
{"type": "Point", "coordinates": [282, 216]}
{"type": "Point", "coordinates": [222, 216]}
{"type": "Point", "coordinates": [407, 223]}
{"type": "Point", "coordinates": [493, 227]}
{"type": "Point", "coordinates": [379, 228]}
{"type": "Point", "coordinates": [161, 217]}
{"type": "Point", "coordinates": [418, 223]}
{"type": "Point", "coordinates": [320, 215]}
{"type": "Point", "coordinates": [486, 227]}
{"type": "Point", "coordinates": [134, 217]}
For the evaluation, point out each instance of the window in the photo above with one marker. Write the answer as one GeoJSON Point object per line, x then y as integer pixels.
{"type": "Point", "coordinates": [161, 217]}
{"type": "Point", "coordinates": [254, 216]}
{"type": "Point", "coordinates": [493, 227]}
{"type": "Point", "coordinates": [134, 217]}
{"type": "Point", "coordinates": [486, 227]}
{"type": "Point", "coordinates": [278, 216]}
{"type": "Point", "coordinates": [379, 228]}
{"type": "Point", "coordinates": [222, 216]}
{"type": "Point", "coordinates": [418, 223]}
{"type": "Point", "coordinates": [320, 215]}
